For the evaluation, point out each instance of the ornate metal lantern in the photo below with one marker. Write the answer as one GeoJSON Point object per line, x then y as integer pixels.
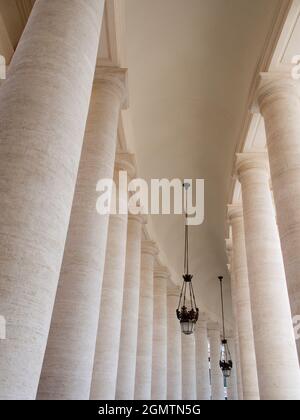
{"type": "Point", "coordinates": [225, 358]}
{"type": "Point", "coordinates": [187, 311]}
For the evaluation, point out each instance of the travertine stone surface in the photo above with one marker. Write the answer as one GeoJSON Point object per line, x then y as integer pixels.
{"type": "Point", "coordinates": [104, 379]}
{"type": "Point", "coordinates": [243, 304]}
{"type": "Point", "coordinates": [130, 310]}
{"type": "Point", "coordinates": [202, 368]}
{"type": "Point", "coordinates": [43, 112]}
{"type": "Point", "coordinates": [217, 382]}
{"type": "Point", "coordinates": [174, 374]}
{"type": "Point", "coordinates": [238, 365]}
{"type": "Point", "coordinates": [276, 354]}
{"type": "Point", "coordinates": [159, 349]}
{"type": "Point", "coordinates": [145, 328]}
{"type": "Point", "coordinates": [68, 363]}
{"type": "Point", "coordinates": [232, 385]}
{"type": "Point", "coordinates": [279, 103]}
{"type": "Point", "coordinates": [230, 267]}
{"type": "Point", "coordinates": [188, 352]}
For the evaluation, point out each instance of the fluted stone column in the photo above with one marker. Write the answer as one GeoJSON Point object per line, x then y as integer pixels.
{"type": "Point", "coordinates": [145, 328]}
{"type": "Point", "coordinates": [279, 102]}
{"type": "Point", "coordinates": [159, 349]}
{"type": "Point", "coordinates": [276, 355]}
{"type": "Point", "coordinates": [68, 363]}
{"type": "Point", "coordinates": [174, 374]}
{"type": "Point", "coordinates": [217, 381]}
{"type": "Point", "coordinates": [130, 310]}
{"type": "Point", "coordinates": [202, 367]}
{"type": "Point", "coordinates": [188, 351]}
{"type": "Point", "coordinates": [43, 112]}
{"type": "Point", "coordinates": [104, 378]}
{"type": "Point", "coordinates": [232, 383]}
{"type": "Point", "coordinates": [243, 304]}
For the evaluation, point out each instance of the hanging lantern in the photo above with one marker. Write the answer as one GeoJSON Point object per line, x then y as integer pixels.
{"type": "Point", "coordinates": [225, 357]}
{"type": "Point", "coordinates": [187, 311]}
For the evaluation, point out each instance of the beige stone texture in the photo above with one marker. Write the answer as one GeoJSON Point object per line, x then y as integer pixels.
{"type": "Point", "coordinates": [43, 112]}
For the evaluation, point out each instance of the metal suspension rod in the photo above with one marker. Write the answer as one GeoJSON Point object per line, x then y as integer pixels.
{"type": "Point", "coordinates": [222, 302]}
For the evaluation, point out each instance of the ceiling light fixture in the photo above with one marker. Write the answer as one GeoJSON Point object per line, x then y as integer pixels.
{"type": "Point", "coordinates": [187, 311]}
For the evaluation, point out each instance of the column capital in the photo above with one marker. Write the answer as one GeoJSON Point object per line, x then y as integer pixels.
{"type": "Point", "coordinates": [162, 272]}
{"type": "Point", "coordinates": [126, 162]}
{"type": "Point", "coordinates": [234, 212]}
{"type": "Point", "coordinates": [251, 161]}
{"type": "Point", "coordinates": [149, 247]}
{"type": "Point", "coordinates": [203, 317]}
{"type": "Point", "coordinates": [273, 86]}
{"type": "Point", "coordinates": [213, 326]}
{"type": "Point", "coordinates": [228, 245]}
{"type": "Point", "coordinates": [174, 291]}
{"type": "Point", "coordinates": [142, 219]}
{"type": "Point", "coordinates": [114, 78]}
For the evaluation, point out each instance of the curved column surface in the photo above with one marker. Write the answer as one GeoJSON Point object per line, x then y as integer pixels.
{"type": "Point", "coordinates": [243, 305]}
{"type": "Point", "coordinates": [238, 365]}
{"type": "Point", "coordinates": [104, 378]}
{"type": "Point", "coordinates": [188, 352]}
{"type": "Point", "coordinates": [43, 112]}
{"type": "Point", "coordinates": [68, 362]}
{"type": "Point", "coordinates": [202, 366]}
{"type": "Point", "coordinates": [174, 373]}
{"type": "Point", "coordinates": [217, 381]}
{"type": "Point", "coordinates": [272, 324]}
{"type": "Point", "coordinates": [279, 102]}
{"type": "Point", "coordinates": [159, 346]}
{"type": "Point", "coordinates": [145, 328]}
{"type": "Point", "coordinates": [130, 311]}
{"type": "Point", "coordinates": [230, 267]}
{"type": "Point", "coordinates": [232, 385]}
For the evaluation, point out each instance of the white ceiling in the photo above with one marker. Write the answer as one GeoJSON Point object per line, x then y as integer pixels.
{"type": "Point", "coordinates": [191, 63]}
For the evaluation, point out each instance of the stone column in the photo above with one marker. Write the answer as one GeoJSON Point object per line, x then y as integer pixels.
{"type": "Point", "coordinates": [159, 350]}
{"type": "Point", "coordinates": [238, 366]}
{"type": "Point", "coordinates": [232, 385]}
{"type": "Point", "coordinates": [234, 310]}
{"type": "Point", "coordinates": [43, 112]}
{"type": "Point", "coordinates": [104, 378]}
{"type": "Point", "coordinates": [188, 351]}
{"type": "Point", "coordinates": [276, 355]}
{"type": "Point", "coordinates": [145, 327]}
{"type": "Point", "coordinates": [174, 374]}
{"type": "Point", "coordinates": [68, 362]}
{"type": "Point", "coordinates": [130, 311]}
{"type": "Point", "coordinates": [243, 304]}
{"type": "Point", "coordinates": [217, 381]}
{"type": "Point", "coordinates": [202, 367]}
{"type": "Point", "coordinates": [279, 103]}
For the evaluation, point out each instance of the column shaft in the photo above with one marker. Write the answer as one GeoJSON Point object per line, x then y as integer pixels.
{"type": "Point", "coordinates": [276, 356]}
{"type": "Point", "coordinates": [104, 378]}
{"type": "Point", "coordinates": [43, 112]}
{"type": "Point", "coordinates": [174, 375]}
{"type": "Point", "coordinates": [232, 383]}
{"type": "Point", "coordinates": [280, 106]}
{"type": "Point", "coordinates": [68, 362]}
{"type": "Point", "coordinates": [189, 386]}
{"type": "Point", "coordinates": [243, 305]}
{"type": "Point", "coordinates": [159, 350]}
{"type": "Point", "coordinates": [145, 327]}
{"type": "Point", "coordinates": [217, 382]}
{"type": "Point", "coordinates": [130, 311]}
{"type": "Point", "coordinates": [202, 367]}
